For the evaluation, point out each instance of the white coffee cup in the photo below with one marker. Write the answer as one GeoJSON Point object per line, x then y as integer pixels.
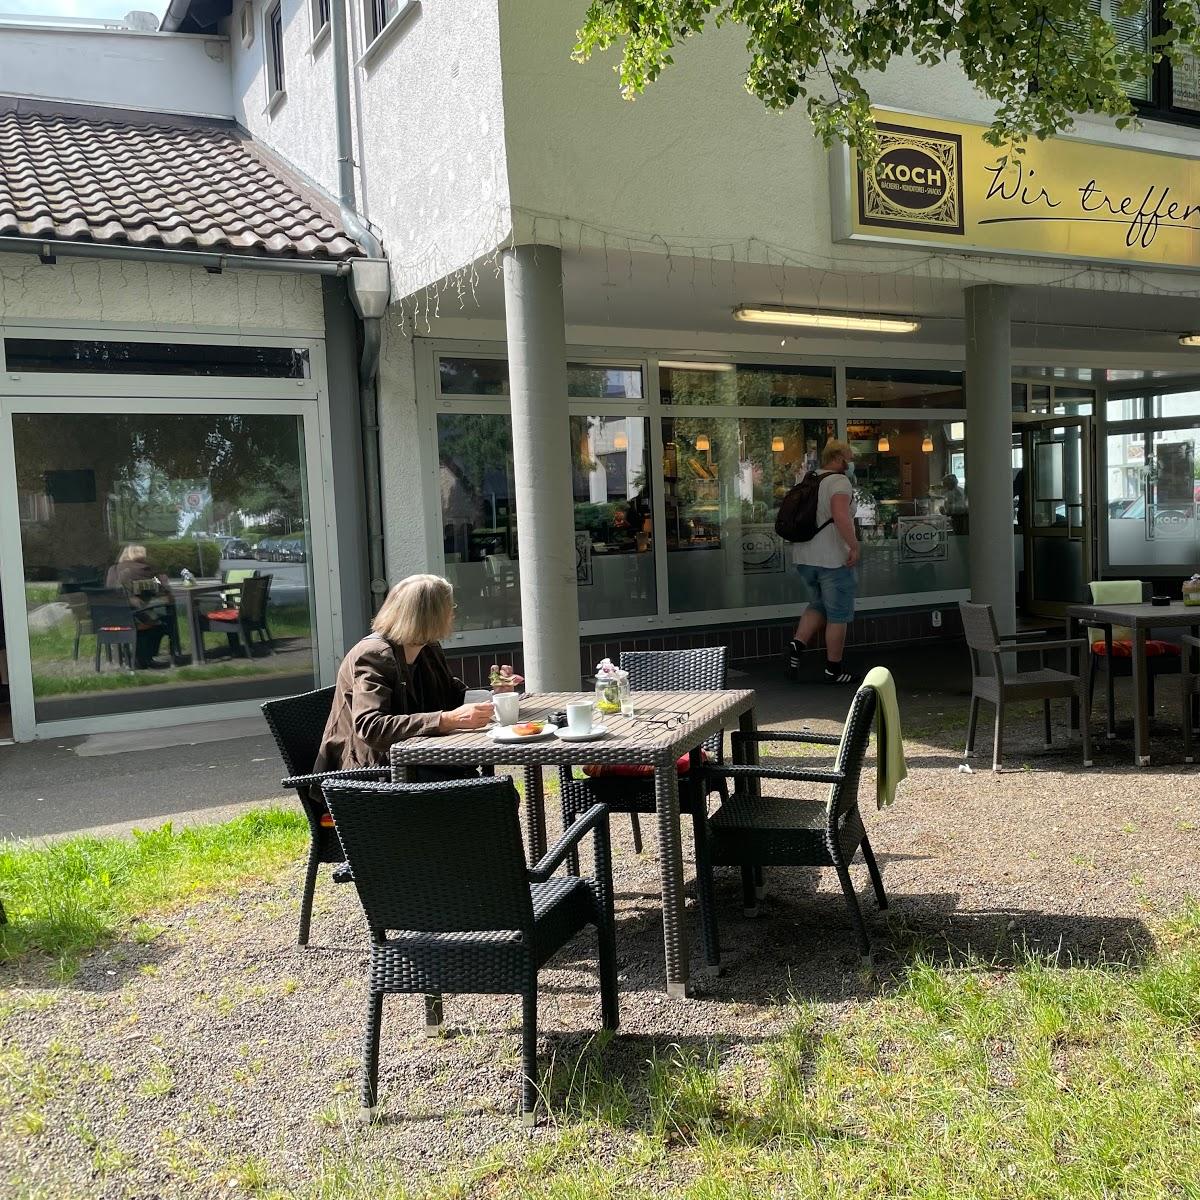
{"type": "Point", "coordinates": [579, 718]}
{"type": "Point", "coordinates": [508, 707]}
{"type": "Point", "coordinates": [477, 696]}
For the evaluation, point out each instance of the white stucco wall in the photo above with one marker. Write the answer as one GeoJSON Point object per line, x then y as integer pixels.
{"type": "Point", "coordinates": [430, 142]}
{"type": "Point", "coordinates": [170, 73]}
{"type": "Point", "coordinates": [88, 290]}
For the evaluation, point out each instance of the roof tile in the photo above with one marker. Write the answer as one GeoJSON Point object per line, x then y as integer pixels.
{"type": "Point", "coordinates": [194, 186]}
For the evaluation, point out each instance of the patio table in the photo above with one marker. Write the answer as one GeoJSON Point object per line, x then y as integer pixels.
{"type": "Point", "coordinates": [650, 737]}
{"type": "Point", "coordinates": [190, 596]}
{"type": "Point", "coordinates": [1140, 618]}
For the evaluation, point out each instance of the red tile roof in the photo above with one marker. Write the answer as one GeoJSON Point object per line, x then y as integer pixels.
{"type": "Point", "coordinates": [153, 181]}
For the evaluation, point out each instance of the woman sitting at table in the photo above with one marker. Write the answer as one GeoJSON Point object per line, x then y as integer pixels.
{"type": "Point", "coordinates": [150, 598]}
{"type": "Point", "coordinates": [396, 683]}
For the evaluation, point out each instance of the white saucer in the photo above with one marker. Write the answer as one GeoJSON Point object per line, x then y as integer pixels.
{"type": "Point", "coordinates": [596, 731]}
{"type": "Point", "coordinates": [504, 733]}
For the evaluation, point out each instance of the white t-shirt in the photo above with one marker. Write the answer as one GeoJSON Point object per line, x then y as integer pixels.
{"type": "Point", "coordinates": [827, 549]}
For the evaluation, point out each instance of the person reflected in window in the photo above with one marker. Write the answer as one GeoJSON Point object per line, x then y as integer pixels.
{"type": "Point", "coordinates": [151, 600]}
{"type": "Point", "coordinates": [954, 504]}
{"type": "Point", "coordinates": [396, 683]}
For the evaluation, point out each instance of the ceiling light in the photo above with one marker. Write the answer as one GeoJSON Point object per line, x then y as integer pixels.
{"type": "Point", "coordinates": [883, 445]}
{"type": "Point", "coordinates": [1189, 339]}
{"type": "Point", "coordinates": [702, 442]}
{"type": "Point", "coordinates": [695, 366]}
{"type": "Point", "coordinates": [620, 442]}
{"type": "Point", "coordinates": [927, 444]}
{"type": "Point", "coordinates": [777, 444]}
{"type": "Point", "coordinates": [770, 314]}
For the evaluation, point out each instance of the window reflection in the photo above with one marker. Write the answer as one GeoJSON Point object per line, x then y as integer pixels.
{"type": "Point", "coordinates": [745, 384]}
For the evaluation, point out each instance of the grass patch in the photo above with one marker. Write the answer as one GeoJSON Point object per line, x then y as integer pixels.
{"type": "Point", "coordinates": [64, 898]}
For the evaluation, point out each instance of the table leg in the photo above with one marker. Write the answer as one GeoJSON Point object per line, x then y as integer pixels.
{"type": "Point", "coordinates": [1071, 626]}
{"type": "Point", "coordinates": [748, 723]}
{"type": "Point", "coordinates": [198, 658]}
{"type": "Point", "coordinates": [1141, 717]}
{"type": "Point", "coordinates": [670, 868]}
{"type": "Point", "coordinates": [535, 815]}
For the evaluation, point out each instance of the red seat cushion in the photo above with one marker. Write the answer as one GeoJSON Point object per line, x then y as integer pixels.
{"type": "Point", "coordinates": [222, 614]}
{"type": "Point", "coordinates": [1123, 648]}
{"type": "Point", "coordinates": [115, 628]}
{"type": "Point", "coordinates": [637, 771]}
{"type": "Point", "coordinates": [326, 820]}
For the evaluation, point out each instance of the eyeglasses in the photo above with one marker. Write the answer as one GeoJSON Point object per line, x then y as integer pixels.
{"type": "Point", "coordinates": [669, 721]}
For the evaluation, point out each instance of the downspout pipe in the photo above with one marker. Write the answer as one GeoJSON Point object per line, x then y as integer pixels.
{"type": "Point", "coordinates": [370, 307]}
{"type": "Point", "coordinates": [173, 17]}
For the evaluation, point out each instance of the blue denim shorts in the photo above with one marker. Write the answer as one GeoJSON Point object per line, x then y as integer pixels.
{"type": "Point", "coordinates": [830, 591]}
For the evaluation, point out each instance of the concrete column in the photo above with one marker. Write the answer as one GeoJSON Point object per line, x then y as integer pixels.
{"type": "Point", "coordinates": [989, 458]}
{"type": "Point", "coordinates": [541, 434]}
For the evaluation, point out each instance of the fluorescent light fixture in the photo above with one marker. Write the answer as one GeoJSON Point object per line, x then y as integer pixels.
{"type": "Point", "coordinates": [777, 444]}
{"type": "Point", "coordinates": [774, 314]}
{"type": "Point", "coordinates": [1189, 339]}
{"type": "Point", "coordinates": [702, 442]}
{"type": "Point", "coordinates": [695, 366]}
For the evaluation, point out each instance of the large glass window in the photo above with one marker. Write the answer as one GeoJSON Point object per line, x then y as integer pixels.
{"type": "Point", "coordinates": [912, 502]}
{"type": "Point", "coordinates": [897, 387]}
{"type": "Point", "coordinates": [166, 558]}
{"type": "Point", "coordinates": [613, 518]}
{"type": "Point", "coordinates": [1153, 488]}
{"type": "Point", "coordinates": [489, 377]}
{"type": "Point", "coordinates": [745, 384]}
{"type": "Point", "coordinates": [724, 478]}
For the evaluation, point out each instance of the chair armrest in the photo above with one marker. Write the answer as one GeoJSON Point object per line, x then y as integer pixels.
{"type": "Point", "coordinates": [595, 816]}
{"type": "Point", "coordinates": [788, 735]}
{"type": "Point", "coordinates": [1189, 640]}
{"type": "Point", "coordinates": [804, 775]}
{"type": "Point", "coordinates": [380, 774]}
{"type": "Point", "coordinates": [1058, 644]}
{"type": "Point", "coordinates": [1028, 633]}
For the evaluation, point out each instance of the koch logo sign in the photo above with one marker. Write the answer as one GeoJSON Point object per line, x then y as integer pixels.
{"type": "Point", "coordinates": [922, 539]}
{"type": "Point", "coordinates": [915, 181]}
{"type": "Point", "coordinates": [1172, 522]}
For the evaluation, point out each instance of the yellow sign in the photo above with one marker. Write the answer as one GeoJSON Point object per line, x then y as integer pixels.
{"type": "Point", "coordinates": [939, 183]}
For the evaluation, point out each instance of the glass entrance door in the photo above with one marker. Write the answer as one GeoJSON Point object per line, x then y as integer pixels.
{"type": "Point", "coordinates": [1053, 498]}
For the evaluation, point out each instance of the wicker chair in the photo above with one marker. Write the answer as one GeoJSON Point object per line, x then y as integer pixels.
{"type": "Point", "coordinates": [297, 723]}
{"type": "Point", "coordinates": [753, 831]}
{"type": "Point", "coordinates": [659, 671]}
{"type": "Point", "coordinates": [440, 870]}
{"type": "Point", "coordinates": [113, 623]}
{"type": "Point", "coordinates": [246, 617]}
{"type": "Point", "coordinates": [1189, 690]}
{"type": "Point", "coordinates": [1001, 687]}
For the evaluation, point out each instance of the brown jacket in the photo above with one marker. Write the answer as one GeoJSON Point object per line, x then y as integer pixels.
{"type": "Point", "coordinates": [381, 699]}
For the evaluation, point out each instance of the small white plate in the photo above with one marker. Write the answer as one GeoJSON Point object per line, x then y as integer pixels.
{"type": "Point", "coordinates": [596, 731]}
{"type": "Point", "coordinates": [504, 733]}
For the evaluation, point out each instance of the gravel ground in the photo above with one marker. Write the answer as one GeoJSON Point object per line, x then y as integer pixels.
{"type": "Point", "coordinates": [167, 1062]}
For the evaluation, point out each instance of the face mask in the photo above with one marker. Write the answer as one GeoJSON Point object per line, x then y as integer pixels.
{"type": "Point", "coordinates": [850, 471]}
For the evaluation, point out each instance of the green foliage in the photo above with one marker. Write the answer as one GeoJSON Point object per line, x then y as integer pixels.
{"type": "Point", "coordinates": [63, 898]}
{"type": "Point", "coordinates": [170, 555]}
{"type": "Point", "coordinates": [1041, 61]}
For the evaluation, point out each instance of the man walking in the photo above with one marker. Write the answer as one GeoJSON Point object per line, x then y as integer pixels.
{"type": "Point", "coordinates": [826, 563]}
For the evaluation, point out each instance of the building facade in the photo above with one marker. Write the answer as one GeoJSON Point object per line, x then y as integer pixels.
{"type": "Point", "coordinates": [588, 406]}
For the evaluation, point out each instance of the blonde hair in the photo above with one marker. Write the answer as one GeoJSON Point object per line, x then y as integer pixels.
{"type": "Point", "coordinates": [835, 449]}
{"type": "Point", "coordinates": [417, 611]}
{"type": "Point", "coordinates": [132, 553]}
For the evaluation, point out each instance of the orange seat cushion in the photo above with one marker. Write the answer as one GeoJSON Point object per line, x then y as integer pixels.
{"type": "Point", "coordinates": [115, 628]}
{"type": "Point", "coordinates": [636, 770]}
{"type": "Point", "coordinates": [326, 820]}
{"type": "Point", "coordinates": [222, 614]}
{"type": "Point", "coordinates": [1123, 648]}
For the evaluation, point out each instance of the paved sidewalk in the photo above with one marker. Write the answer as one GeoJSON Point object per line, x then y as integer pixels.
{"type": "Point", "coordinates": [115, 782]}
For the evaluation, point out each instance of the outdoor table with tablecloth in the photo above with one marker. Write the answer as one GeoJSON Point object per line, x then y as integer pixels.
{"type": "Point", "coordinates": [665, 726]}
{"type": "Point", "coordinates": [1140, 618]}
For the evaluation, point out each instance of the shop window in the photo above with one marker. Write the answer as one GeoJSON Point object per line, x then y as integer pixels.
{"type": "Point", "coordinates": [489, 377]}
{"type": "Point", "coordinates": [894, 387]}
{"type": "Point", "coordinates": [612, 503]}
{"type": "Point", "coordinates": [115, 509]}
{"type": "Point", "coordinates": [80, 356]}
{"type": "Point", "coordinates": [1175, 404]}
{"type": "Point", "coordinates": [912, 502]}
{"type": "Point", "coordinates": [1126, 408]}
{"type": "Point", "coordinates": [1152, 495]}
{"type": "Point", "coordinates": [724, 478]}
{"type": "Point", "coordinates": [745, 385]}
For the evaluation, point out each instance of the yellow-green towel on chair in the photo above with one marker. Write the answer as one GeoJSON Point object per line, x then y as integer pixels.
{"type": "Point", "coordinates": [889, 741]}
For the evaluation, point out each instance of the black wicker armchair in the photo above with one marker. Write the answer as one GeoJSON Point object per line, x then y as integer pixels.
{"type": "Point", "coordinates": [297, 723]}
{"type": "Point", "coordinates": [752, 831]}
{"type": "Point", "coordinates": [440, 870]}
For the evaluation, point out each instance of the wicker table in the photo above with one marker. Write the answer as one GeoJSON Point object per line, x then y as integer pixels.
{"type": "Point", "coordinates": [666, 726]}
{"type": "Point", "coordinates": [1140, 618]}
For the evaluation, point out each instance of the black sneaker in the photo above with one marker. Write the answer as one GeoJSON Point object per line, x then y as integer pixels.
{"type": "Point", "coordinates": [839, 676]}
{"type": "Point", "coordinates": [791, 654]}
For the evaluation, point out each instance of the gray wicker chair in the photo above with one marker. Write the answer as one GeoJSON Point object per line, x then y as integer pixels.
{"type": "Point", "coordinates": [1002, 686]}
{"type": "Point", "coordinates": [440, 870]}
{"type": "Point", "coordinates": [752, 831]}
{"type": "Point", "coordinates": [1189, 690]}
{"type": "Point", "coordinates": [297, 724]}
{"type": "Point", "coordinates": [661, 671]}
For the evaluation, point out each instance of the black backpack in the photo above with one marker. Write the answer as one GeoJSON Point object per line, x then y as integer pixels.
{"type": "Point", "coordinates": [796, 520]}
